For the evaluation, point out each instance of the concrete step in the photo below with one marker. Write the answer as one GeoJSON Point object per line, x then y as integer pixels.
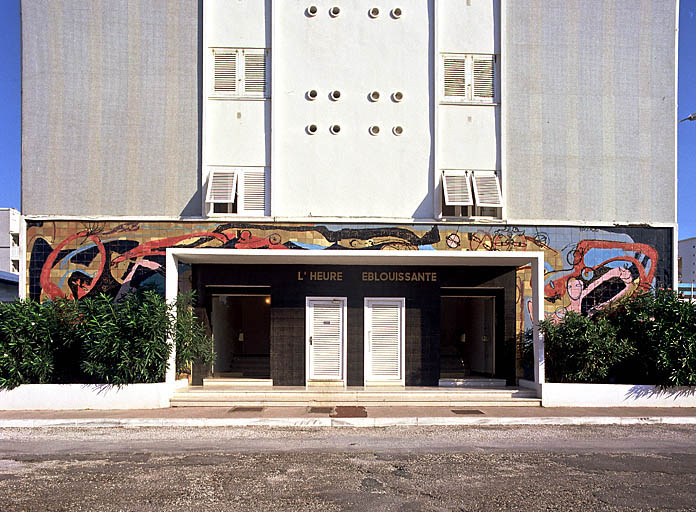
{"type": "Point", "coordinates": [254, 396]}
{"type": "Point", "coordinates": [227, 382]}
{"type": "Point", "coordinates": [175, 402]}
{"type": "Point", "coordinates": [471, 382]}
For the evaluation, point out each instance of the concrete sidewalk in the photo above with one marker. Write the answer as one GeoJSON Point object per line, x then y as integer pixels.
{"type": "Point", "coordinates": [346, 416]}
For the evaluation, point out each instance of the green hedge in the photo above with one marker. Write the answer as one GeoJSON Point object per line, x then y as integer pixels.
{"type": "Point", "coordinates": [649, 338]}
{"type": "Point", "coordinates": [98, 340]}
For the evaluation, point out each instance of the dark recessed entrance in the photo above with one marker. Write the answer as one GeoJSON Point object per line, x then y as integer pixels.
{"type": "Point", "coordinates": [467, 337]}
{"type": "Point", "coordinates": [241, 326]}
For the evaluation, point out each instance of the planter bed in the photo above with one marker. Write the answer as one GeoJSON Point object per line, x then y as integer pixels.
{"type": "Point", "coordinates": [37, 397]}
{"type": "Point", "coordinates": [615, 395]}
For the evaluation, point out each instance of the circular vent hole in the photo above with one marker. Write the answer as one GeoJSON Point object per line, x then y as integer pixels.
{"type": "Point", "coordinates": [335, 11]}
{"type": "Point", "coordinates": [374, 12]}
{"type": "Point", "coordinates": [398, 130]}
{"type": "Point", "coordinates": [312, 95]}
{"type": "Point", "coordinates": [312, 10]}
{"type": "Point", "coordinates": [312, 129]}
{"type": "Point", "coordinates": [374, 130]}
{"type": "Point", "coordinates": [335, 95]}
{"type": "Point", "coordinates": [335, 129]}
{"type": "Point", "coordinates": [374, 96]}
{"type": "Point", "coordinates": [396, 12]}
{"type": "Point", "coordinates": [398, 96]}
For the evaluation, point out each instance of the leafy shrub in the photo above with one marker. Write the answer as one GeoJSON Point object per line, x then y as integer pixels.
{"type": "Point", "coordinates": [26, 344]}
{"type": "Point", "coordinates": [97, 340]}
{"type": "Point", "coordinates": [662, 329]}
{"type": "Point", "coordinates": [582, 349]}
{"type": "Point", "coordinates": [125, 342]}
{"type": "Point", "coordinates": [193, 345]}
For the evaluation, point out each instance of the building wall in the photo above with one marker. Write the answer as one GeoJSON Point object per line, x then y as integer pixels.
{"type": "Point", "coordinates": [110, 113]}
{"type": "Point", "coordinates": [589, 110]}
{"type": "Point", "coordinates": [9, 240]}
{"type": "Point", "coordinates": [687, 255]}
{"type": "Point", "coordinates": [586, 268]}
{"type": "Point", "coordinates": [353, 173]}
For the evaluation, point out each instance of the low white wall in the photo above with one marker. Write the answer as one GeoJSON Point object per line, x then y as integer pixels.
{"type": "Point", "coordinates": [615, 395]}
{"type": "Point", "coordinates": [37, 397]}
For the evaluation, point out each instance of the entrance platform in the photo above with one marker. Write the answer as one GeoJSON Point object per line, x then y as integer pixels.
{"type": "Point", "coordinates": [219, 394]}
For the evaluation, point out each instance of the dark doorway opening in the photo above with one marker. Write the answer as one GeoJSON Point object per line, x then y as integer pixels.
{"type": "Point", "coordinates": [241, 327]}
{"type": "Point", "coordinates": [467, 337]}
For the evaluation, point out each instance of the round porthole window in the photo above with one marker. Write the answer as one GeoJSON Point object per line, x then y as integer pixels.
{"type": "Point", "coordinates": [396, 12]}
{"type": "Point", "coordinates": [398, 130]}
{"type": "Point", "coordinates": [398, 96]}
{"type": "Point", "coordinates": [335, 128]}
{"type": "Point", "coordinates": [312, 129]}
{"type": "Point", "coordinates": [334, 11]}
{"type": "Point", "coordinates": [312, 10]}
{"type": "Point", "coordinates": [374, 130]}
{"type": "Point", "coordinates": [374, 12]}
{"type": "Point", "coordinates": [312, 94]}
{"type": "Point", "coordinates": [374, 96]}
{"type": "Point", "coordinates": [335, 95]}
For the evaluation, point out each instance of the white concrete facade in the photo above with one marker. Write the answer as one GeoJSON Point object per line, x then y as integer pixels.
{"type": "Point", "coordinates": [406, 134]}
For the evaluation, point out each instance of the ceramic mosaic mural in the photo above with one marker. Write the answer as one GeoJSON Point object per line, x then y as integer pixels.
{"type": "Point", "coordinates": [585, 268]}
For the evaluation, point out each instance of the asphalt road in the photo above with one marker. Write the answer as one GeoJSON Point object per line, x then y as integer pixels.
{"type": "Point", "coordinates": [424, 468]}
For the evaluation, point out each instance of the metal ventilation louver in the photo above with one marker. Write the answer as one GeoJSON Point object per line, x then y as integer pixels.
{"type": "Point", "coordinates": [487, 189]}
{"type": "Point", "coordinates": [255, 72]}
{"type": "Point", "coordinates": [457, 188]}
{"type": "Point", "coordinates": [222, 185]}
{"type": "Point", "coordinates": [253, 191]}
{"type": "Point", "coordinates": [484, 78]}
{"type": "Point", "coordinates": [455, 76]}
{"type": "Point", "coordinates": [225, 64]}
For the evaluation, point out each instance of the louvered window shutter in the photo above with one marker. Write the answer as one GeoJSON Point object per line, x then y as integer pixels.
{"type": "Point", "coordinates": [253, 192]}
{"type": "Point", "coordinates": [457, 188]}
{"type": "Point", "coordinates": [455, 81]}
{"type": "Point", "coordinates": [225, 71]}
{"type": "Point", "coordinates": [327, 340]}
{"type": "Point", "coordinates": [484, 78]}
{"type": "Point", "coordinates": [385, 340]}
{"type": "Point", "coordinates": [487, 189]}
{"type": "Point", "coordinates": [222, 185]}
{"type": "Point", "coordinates": [255, 73]}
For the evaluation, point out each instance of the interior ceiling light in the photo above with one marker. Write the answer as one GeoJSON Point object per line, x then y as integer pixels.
{"type": "Point", "coordinates": [334, 11]}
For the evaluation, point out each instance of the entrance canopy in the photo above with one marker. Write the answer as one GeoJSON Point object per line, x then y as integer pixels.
{"type": "Point", "coordinates": [534, 259]}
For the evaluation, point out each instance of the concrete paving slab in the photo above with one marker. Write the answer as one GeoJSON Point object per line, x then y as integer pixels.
{"type": "Point", "coordinates": [375, 416]}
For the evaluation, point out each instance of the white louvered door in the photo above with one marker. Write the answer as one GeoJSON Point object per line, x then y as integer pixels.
{"type": "Point", "coordinates": [384, 340]}
{"type": "Point", "coordinates": [326, 338]}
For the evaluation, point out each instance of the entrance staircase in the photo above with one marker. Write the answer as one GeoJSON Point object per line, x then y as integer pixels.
{"type": "Point", "coordinates": [261, 393]}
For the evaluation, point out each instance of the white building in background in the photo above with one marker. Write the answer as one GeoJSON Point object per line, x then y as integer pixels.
{"type": "Point", "coordinates": [10, 249]}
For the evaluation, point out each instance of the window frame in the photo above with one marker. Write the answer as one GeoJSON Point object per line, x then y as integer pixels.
{"type": "Point", "coordinates": [240, 74]}
{"type": "Point", "coordinates": [469, 97]}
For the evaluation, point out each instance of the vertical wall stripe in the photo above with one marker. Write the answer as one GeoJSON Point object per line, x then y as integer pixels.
{"type": "Point", "coordinates": [573, 143]}
{"type": "Point", "coordinates": [607, 86]}
{"type": "Point", "coordinates": [94, 88]}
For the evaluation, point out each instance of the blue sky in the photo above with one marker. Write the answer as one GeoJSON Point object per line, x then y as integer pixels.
{"type": "Point", "coordinates": [10, 136]}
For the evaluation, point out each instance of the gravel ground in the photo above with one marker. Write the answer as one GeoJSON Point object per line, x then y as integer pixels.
{"type": "Point", "coordinates": [435, 468]}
